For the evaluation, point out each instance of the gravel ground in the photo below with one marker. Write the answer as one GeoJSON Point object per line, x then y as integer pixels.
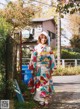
{"type": "Point", "coordinates": [67, 93]}
{"type": "Point", "coordinates": [63, 100]}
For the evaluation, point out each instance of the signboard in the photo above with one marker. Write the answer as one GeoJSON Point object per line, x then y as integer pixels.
{"type": "Point", "coordinates": [25, 33]}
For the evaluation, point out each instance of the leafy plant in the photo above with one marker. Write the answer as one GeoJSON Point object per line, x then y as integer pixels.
{"type": "Point", "coordinates": [26, 105]}
{"type": "Point", "coordinates": [75, 41]}
{"type": "Point", "coordinates": [5, 29]}
{"type": "Point", "coordinates": [65, 54]}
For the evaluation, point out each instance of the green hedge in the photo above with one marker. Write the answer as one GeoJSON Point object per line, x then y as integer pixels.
{"type": "Point", "coordinates": [65, 54]}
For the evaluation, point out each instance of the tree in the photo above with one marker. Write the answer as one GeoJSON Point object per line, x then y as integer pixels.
{"type": "Point", "coordinates": [63, 8]}
{"type": "Point", "coordinates": [73, 23]}
{"type": "Point", "coordinates": [5, 29]}
{"type": "Point", "coordinates": [18, 15]}
{"type": "Point", "coordinates": [75, 41]}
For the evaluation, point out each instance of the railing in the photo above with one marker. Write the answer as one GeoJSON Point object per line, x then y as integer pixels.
{"type": "Point", "coordinates": [64, 62]}
{"type": "Point", "coordinates": [69, 62]}
{"type": "Point", "coordinates": [25, 60]}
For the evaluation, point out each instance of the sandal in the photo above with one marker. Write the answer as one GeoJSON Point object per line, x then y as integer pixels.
{"type": "Point", "coordinates": [41, 103]}
{"type": "Point", "coordinates": [46, 102]}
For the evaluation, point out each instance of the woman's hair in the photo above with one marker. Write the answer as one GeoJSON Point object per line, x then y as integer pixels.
{"type": "Point", "coordinates": [39, 39]}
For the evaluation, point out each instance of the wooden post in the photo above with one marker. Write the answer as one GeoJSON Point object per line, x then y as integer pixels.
{"type": "Point", "coordinates": [63, 63]}
{"type": "Point", "coordinates": [20, 53]}
{"type": "Point", "coordinates": [75, 62]}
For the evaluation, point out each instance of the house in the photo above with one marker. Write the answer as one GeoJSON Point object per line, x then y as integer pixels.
{"type": "Point", "coordinates": [31, 34]}
{"type": "Point", "coordinates": [44, 24]}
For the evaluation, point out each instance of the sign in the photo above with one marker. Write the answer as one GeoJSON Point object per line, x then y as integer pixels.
{"type": "Point", "coordinates": [25, 33]}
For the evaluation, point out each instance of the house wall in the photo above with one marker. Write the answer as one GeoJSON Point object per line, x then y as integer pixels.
{"type": "Point", "coordinates": [53, 43]}
{"type": "Point", "coordinates": [37, 31]}
{"type": "Point", "coordinates": [45, 26]}
{"type": "Point", "coordinates": [49, 25]}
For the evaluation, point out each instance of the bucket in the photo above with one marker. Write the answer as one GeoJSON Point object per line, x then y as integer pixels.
{"type": "Point", "coordinates": [27, 78]}
{"type": "Point", "coordinates": [26, 74]}
{"type": "Point", "coordinates": [24, 67]}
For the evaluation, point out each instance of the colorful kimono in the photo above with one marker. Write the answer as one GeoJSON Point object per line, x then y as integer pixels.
{"type": "Point", "coordinates": [42, 65]}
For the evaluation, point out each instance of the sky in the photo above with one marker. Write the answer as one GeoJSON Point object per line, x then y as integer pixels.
{"type": "Point", "coordinates": [4, 2]}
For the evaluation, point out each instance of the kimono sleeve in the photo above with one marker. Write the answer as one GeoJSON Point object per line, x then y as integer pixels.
{"type": "Point", "coordinates": [33, 60]}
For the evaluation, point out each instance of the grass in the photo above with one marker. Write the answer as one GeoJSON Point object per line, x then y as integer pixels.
{"type": "Point", "coordinates": [67, 71]}
{"type": "Point", "coordinates": [26, 105]}
{"type": "Point", "coordinates": [28, 98]}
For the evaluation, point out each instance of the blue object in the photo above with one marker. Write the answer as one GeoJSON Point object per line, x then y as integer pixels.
{"type": "Point", "coordinates": [27, 78]}
{"type": "Point", "coordinates": [26, 74]}
{"type": "Point", "coordinates": [18, 91]}
{"type": "Point", "coordinates": [24, 67]}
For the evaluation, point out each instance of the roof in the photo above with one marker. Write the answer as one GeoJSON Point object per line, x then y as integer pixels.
{"type": "Point", "coordinates": [42, 19]}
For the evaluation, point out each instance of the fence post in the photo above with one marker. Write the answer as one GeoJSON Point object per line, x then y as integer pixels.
{"type": "Point", "coordinates": [63, 62]}
{"type": "Point", "coordinates": [75, 62]}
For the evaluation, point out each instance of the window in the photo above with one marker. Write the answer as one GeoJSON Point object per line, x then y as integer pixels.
{"type": "Point", "coordinates": [52, 35]}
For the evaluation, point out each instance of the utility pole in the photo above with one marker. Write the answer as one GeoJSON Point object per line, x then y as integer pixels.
{"type": "Point", "coordinates": [58, 32]}
{"type": "Point", "coordinates": [59, 39]}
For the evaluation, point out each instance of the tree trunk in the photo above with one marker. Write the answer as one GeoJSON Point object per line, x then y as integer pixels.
{"type": "Point", "coordinates": [10, 66]}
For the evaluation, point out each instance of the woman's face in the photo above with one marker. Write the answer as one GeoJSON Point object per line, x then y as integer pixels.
{"type": "Point", "coordinates": [43, 39]}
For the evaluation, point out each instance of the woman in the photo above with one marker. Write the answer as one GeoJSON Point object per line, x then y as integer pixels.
{"type": "Point", "coordinates": [42, 65]}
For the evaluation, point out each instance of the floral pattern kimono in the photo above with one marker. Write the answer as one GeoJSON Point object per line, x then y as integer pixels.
{"type": "Point", "coordinates": [42, 65]}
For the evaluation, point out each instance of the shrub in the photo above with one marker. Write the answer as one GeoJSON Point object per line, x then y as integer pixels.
{"type": "Point", "coordinates": [65, 54]}
{"type": "Point", "coordinates": [67, 71]}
